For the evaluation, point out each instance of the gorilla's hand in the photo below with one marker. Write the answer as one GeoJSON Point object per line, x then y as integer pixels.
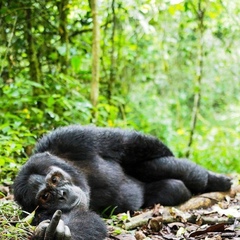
{"type": "Point", "coordinates": [52, 230]}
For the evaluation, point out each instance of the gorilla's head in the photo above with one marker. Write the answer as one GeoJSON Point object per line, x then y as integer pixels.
{"type": "Point", "coordinates": [49, 183]}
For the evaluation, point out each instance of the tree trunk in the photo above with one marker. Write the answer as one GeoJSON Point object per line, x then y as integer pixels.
{"type": "Point", "coordinates": [95, 59]}
{"type": "Point", "coordinates": [63, 13]}
{"type": "Point", "coordinates": [199, 75]}
{"type": "Point", "coordinates": [113, 60]}
{"type": "Point", "coordinates": [31, 51]}
{"type": "Point", "coordinates": [6, 68]}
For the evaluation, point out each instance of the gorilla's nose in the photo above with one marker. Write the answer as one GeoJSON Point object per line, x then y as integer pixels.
{"type": "Point", "coordinates": [62, 195]}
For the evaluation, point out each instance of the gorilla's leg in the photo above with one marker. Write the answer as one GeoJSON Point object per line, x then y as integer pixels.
{"type": "Point", "coordinates": [169, 192]}
{"type": "Point", "coordinates": [196, 178]}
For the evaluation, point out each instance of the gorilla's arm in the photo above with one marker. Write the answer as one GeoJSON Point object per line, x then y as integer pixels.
{"type": "Point", "coordinates": [86, 225]}
{"type": "Point", "coordinates": [75, 225]}
{"type": "Point", "coordinates": [77, 143]}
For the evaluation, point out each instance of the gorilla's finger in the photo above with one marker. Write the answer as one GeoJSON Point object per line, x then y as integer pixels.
{"type": "Point", "coordinates": [60, 231]}
{"type": "Point", "coordinates": [41, 229]}
{"type": "Point", "coordinates": [51, 229]}
{"type": "Point", "coordinates": [68, 235]}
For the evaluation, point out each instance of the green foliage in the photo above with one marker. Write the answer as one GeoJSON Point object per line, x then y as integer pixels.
{"type": "Point", "coordinates": [117, 222]}
{"type": "Point", "coordinates": [11, 226]}
{"type": "Point", "coordinates": [25, 116]}
{"type": "Point", "coordinates": [148, 66]}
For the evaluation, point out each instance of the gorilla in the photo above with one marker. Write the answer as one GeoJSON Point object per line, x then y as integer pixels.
{"type": "Point", "coordinates": [77, 171]}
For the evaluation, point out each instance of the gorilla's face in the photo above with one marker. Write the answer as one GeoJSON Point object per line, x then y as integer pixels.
{"type": "Point", "coordinates": [57, 191]}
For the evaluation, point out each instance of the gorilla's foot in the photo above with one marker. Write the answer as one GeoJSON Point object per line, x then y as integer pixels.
{"type": "Point", "coordinates": [218, 183]}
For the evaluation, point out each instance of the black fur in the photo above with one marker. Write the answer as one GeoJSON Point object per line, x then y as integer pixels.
{"type": "Point", "coordinates": [113, 167]}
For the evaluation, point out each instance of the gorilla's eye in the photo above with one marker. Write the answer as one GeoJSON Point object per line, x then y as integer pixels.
{"type": "Point", "coordinates": [55, 179]}
{"type": "Point", "coordinates": [45, 197]}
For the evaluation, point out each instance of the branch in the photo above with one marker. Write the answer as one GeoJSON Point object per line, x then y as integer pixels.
{"type": "Point", "coordinates": [88, 29]}
{"type": "Point", "coordinates": [171, 215]}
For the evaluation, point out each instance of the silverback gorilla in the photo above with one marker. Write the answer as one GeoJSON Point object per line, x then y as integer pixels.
{"type": "Point", "coordinates": [80, 170]}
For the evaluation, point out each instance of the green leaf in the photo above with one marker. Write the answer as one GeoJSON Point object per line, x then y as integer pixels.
{"type": "Point", "coordinates": [76, 63]}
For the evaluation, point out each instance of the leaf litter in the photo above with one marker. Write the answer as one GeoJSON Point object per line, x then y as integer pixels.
{"type": "Point", "coordinates": [209, 216]}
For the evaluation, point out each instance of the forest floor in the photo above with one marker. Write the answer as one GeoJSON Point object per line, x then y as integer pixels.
{"type": "Point", "coordinates": [210, 216]}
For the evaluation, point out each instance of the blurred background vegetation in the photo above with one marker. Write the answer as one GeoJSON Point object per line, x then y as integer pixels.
{"type": "Point", "coordinates": [167, 67]}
